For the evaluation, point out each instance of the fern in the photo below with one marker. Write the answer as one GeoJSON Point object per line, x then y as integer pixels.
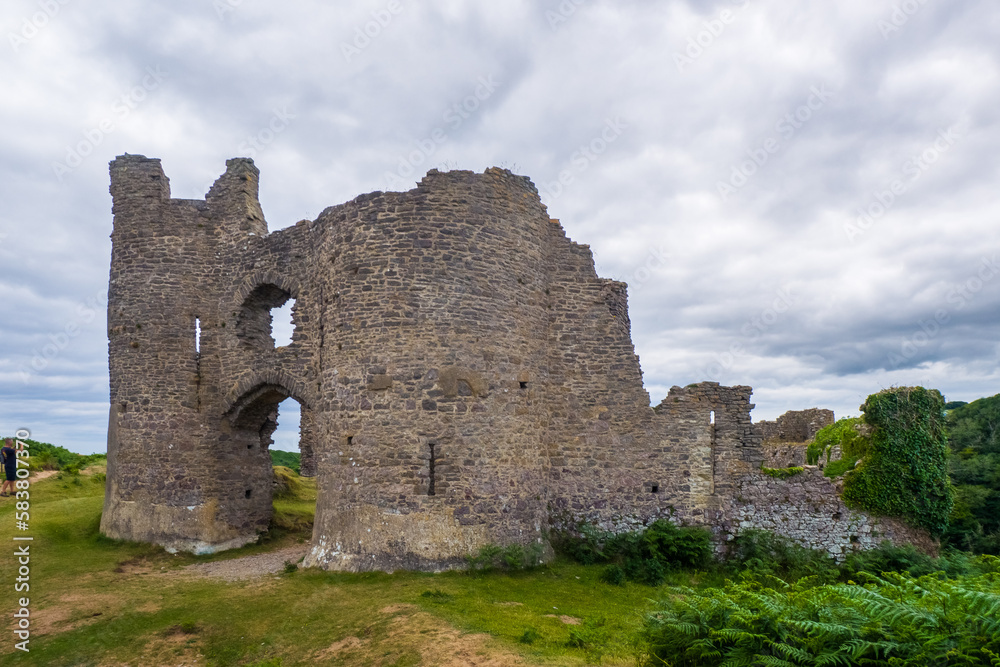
{"type": "Point", "coordinates": [894, 619]}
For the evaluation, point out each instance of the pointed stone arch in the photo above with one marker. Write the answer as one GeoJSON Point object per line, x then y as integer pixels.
{"type": "Point", "coordinates": [252, 404]}
{"type": "Point", "coordinates": [253, 301]}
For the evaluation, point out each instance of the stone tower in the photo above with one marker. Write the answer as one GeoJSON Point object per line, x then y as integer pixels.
{"type": "Point", "coordinates": [465, 377]}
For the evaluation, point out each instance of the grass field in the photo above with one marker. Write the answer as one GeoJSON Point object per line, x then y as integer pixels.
{"type": "Point", "coordinates": [94, 601]}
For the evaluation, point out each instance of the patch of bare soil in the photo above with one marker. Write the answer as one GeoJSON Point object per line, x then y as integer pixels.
{"type": "Point", "coordinates": [417, 634]}
{"type": "Point", "coordinates": [176, 649]}
{"type": "Point", "coordinates": [132, 566]}
{"type": "Point", "coordinates": [567, 620]}
{"type": "Point", "coordinates": [72, 611]}
{"type": "Point", "coordinates": [249, 567]}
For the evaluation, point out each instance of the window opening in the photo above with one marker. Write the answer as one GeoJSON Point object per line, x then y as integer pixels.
{"type": "Point", "coordinates": [431, 462]}
{"type": "Point", "coordinates": [281, 324]}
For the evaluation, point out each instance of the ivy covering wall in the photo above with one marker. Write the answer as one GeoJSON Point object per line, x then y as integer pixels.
{"type": "Point", "coordinates": [904, 470]}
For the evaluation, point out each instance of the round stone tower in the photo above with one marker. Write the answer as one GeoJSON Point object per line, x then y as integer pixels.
{"type": "Point", "coordinates": [434, 373]}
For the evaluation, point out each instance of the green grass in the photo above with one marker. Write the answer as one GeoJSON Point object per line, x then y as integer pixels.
{"type": "Point", "coordinates": [96, 601]}
{"type": "Point", "coordinates": [102, 601]}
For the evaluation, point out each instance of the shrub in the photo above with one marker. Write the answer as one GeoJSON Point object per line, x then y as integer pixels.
{"type": "Point", "coordinates": [512, 558]}
{"type": "Point", "coordinates": [644, 556]}
{"type": "Point", "coordinates": [889, 558]}
{"type": "Point", "coordinates": [530, 636]}
{"type": "Point", "coordinates": [839, 467]}
{"type": "Point", "coordinates": [614, 575]}
{"type": "Point", "coordinates": [437, 595]}
{"type": "Point", "coordinates": [585, 548]}
{"type": "Point", "coordinates": [763, 553]}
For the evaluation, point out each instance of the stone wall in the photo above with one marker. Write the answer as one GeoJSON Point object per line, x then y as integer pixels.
{"type": "Point", "coordinates": [795, 425]}
{"type": "Point", "coordinates": [784, 454]}
{"type": "Point", "coordinates": [808, 509]}
{"type": "Point", "coordinates": [465, 378]}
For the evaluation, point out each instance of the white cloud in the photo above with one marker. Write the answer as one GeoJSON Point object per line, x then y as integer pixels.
{"type": "Point", "coordinates": [655, 185]}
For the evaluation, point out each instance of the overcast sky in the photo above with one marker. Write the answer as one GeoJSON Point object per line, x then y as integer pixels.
{"type": "Point", "coordinates": [802, 196]}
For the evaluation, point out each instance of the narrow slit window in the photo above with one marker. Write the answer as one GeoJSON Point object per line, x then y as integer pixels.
{"type": "Point", "coordinates": [711, 417]}
{"type": "Point", "coordinates": [655, 488]}
{"type": "Point", "coordinates": [430, 470]}
{"type": "Point", "coordinates": [197, 335]}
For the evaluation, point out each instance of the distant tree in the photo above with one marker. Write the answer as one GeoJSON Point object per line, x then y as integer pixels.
{"type": "Point", "coordinates": [291, 460]}
{"type": "Point", "coordinates": [974, 463]}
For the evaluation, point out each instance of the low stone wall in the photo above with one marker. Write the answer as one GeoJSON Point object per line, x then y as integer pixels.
{"type": "Point", "coordinates": [807, 508]}
{"type": "Point", "coordinates": [794, 425]}
{"type": "Point", "coordinates": [784, 454]}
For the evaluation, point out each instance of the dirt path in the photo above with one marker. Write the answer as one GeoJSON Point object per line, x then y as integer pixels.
{"type": "Point", "coordinates": [249, 567]}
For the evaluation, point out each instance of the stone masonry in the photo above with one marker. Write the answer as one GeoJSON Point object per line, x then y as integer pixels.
{"type": "Point", "coordinates": [465, 378]}
{"type": "Point", "coordinates": [794, 425]}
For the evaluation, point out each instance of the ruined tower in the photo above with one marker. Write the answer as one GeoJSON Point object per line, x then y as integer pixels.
{"type": "Point", "coordinates": [465, 377]}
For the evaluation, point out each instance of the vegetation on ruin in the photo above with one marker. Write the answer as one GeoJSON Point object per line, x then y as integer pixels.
{"type": "Point", "coordinates": [973, 463]}
{"type": "Point", "coordinates": [903, 468]}
{"type": "Point", "coordinates": [844, 432]}
{"type": "Point", "coordinates": [782, 473]}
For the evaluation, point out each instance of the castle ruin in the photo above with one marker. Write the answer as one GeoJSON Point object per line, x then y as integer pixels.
{"type": "Point", "coordinates": [464, 376]}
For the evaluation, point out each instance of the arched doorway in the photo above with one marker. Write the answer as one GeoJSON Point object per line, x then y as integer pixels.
{"type": "Point", "coordinates": [285, 477]}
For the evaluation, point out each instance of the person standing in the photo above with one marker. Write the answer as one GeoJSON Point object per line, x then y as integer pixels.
{"type": "Point", "coordinates": [9, 456]}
